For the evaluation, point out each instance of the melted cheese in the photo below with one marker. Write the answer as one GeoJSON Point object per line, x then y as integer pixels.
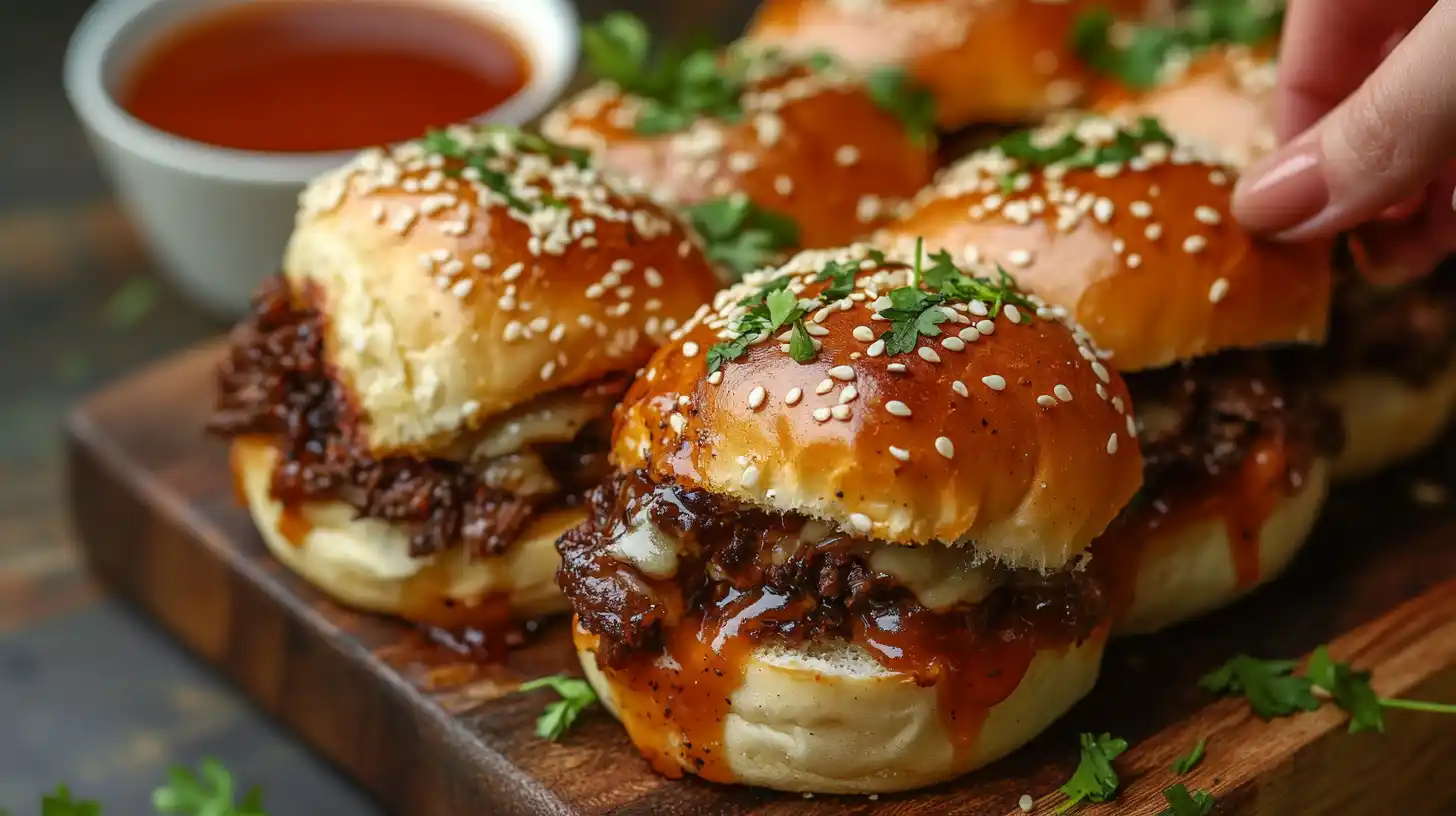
{"type": "Point", "coordinates": [940, 576]}
{"type": "Point", "coordinates": [555, 417]}
{"type": "Point", "coordinates": [646, 547]}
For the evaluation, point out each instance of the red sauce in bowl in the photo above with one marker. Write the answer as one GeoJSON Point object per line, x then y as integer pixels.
{"type": "Point", "coordinates": [300, 76]}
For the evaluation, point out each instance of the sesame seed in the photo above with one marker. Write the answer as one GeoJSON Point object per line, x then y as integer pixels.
{"type": "Point", "coordinates": [824, 387]}
{"type": "Point", "coordinates": [462, 288]}
{"type": "Point", "coordinates": [1207, 215]}
{"type": "Point", "coordinates": [1118, 246]}
{"type": "Point", "coordinates": [1218, 178]}
{"type": "Point", "coordinates": [1112, 443]}
{"type": "Point", "coordinates": [783, 185]}
{"type": "Point", "coordinates": [928, 354]}
{"type": "Point", "coordinates": [860, 522]}
{"type": "Point", "coordinates": [897, 408]}
{"type": "Point", "coordinates": [848, 394]}
{"type": "Point", "coordinates": [1101, 371]}
{"type": "Point", "coordinates": [652, 277]}
{"type": "Point", "coordinates": [1026, 803]}
{"type": "Point", "coordinates": [750, 477]}
{"type": "Point", "coordinates": [1102, 391]}
{"type": "Point", "coordinates": [1134, 261]}
{"type": "Point", "coordinates": [995, 382]}
{"type": "Point", "coordinates": [846, 155]}
{"type": "Point", "coordinates": [1194, 244]}
{"type": "Point", "coordinates": [900, 453]}
{"type": "Point", "coordinates": [677, 422]}
{"type": "Point", "coordinates": [595, 291]}
{"type": "Point", "coordinates": [1102, 210]}
{"type": "Point", "coordinates": [690, 349]}
{"type": "Point", "coordinates": [1046, 401]}
{"type": "Point", "coordinates": [755, 397]}
{"type": "Point", "coordinates": [1141, 209]}
{"type": "Point", "coordinates": [970, 334]}
{"type": "Point", "coordinates": [896, 368]}
{"type": "Point", "coordinates": [1117, 404]}
{"type": "Point", "coordinates": [960, 388]}
{"type": "Point", "coordinates": [840, 412]}
{"type": "Point", "coordinates": [1063, 393]}
{"type": "Point", "coordinates": [953, 344]}
{"type": "Point", "coordinates": [985, 327]}
{"type": "Point", "coordinates": [480, 261]}
{"type": "Point", "coordinates": [944, 447]}
{"type": "Point", "coordinates": [1131, 426]}
{"type": "Point", "coordinates": [864, 334]}
{"type": "Point", "coordinates": [821, 414]}
{"type": "Point", "coordinates": [794, 395]}
{"type": "Point", "coordinates": [514, 271]}
{"type": "Point", "coordinates": [1153, 231]}
{"type": "Point", "coordinates": [1012, 312]}
{"type": "Point", "coordinates": [716, 377]}
{"type": "Point", "coordinates": [978, 308]}
{"type": "Point", "coordinates": [548, 369]}
{"type": "Point", "coordinates": [842, 373]}
{"type": "Point", "coordinates": [1217, 291]}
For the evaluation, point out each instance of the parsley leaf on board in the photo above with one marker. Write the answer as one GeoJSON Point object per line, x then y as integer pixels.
{"type": "Point", "coordinates": [894, 92]}
{"type": "Point", "coordinates": [1272, 688]}
{"type": "Point", "coordinates": [576, 694]}
{"type": "Point", "coordinates": [1190, 760]}
{"type": "Point", "coordinates": [1182, 803]}
{"type": "Point", "coordinates": [1094, 780]}
{"type": "Point", "coordinates": [60, 803]}
{"type": "Point", "coordinates": [1352, 692]}
{"type": "Point", "coordinates": [740, 235]}
{"type": "Point", "coordinates": [208, 792]}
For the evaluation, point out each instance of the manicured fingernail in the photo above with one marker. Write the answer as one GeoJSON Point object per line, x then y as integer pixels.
{"type": "Point", "coordinates": [1284, 191]}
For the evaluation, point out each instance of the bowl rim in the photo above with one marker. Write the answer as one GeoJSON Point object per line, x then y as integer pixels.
{"type": "Point", "coordinates": [547, 31]}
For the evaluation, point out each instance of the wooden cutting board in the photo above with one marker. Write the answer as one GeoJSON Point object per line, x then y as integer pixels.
{"type": "Point", "coordinates": [430, 733]}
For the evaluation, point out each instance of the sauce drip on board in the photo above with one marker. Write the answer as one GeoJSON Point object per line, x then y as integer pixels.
{"type": "Point", "coordinates": [297, 76]}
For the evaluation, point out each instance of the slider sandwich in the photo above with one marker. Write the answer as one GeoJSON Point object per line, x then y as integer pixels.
{"type": "Point", "coordinates": [1389, 364]}
{"type": "Point", "coordinates": [417, 402]}
{"type": "Point", "coordinates": [997, 61]}
{"type": "Point", "coordinates": [801, 151]}
{"type": "Point", "coordinates": [1130, 234]}
{"type": "Point", "coordinates": [838, 551]}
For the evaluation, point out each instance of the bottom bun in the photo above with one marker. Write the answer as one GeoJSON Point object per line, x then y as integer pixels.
{"type": "Point", "coordinates": [365, 563]}
{"type": "Point", "coordinates": [828, 718]}
{"type": "Point", "coordinates": [1203, 564]}
{"type": "Point", "coordinates": [1388, 419]}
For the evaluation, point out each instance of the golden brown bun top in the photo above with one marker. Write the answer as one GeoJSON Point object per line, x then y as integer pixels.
{"type": "Point", "coordinates": [1222, 99]}
{"type": "Point", "coordinates": [1003, 432]}
{"type": "Point", "coordinates": [470, 272]}
{"type": "Point", "coordinates": [1143, 253]}
{"type": "Point", "coordinates": [810, 144]}
{"type": "Point", "coordinates": [984, 60]}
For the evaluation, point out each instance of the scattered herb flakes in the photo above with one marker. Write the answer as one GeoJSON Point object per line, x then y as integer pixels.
{"type": "Point", "coordinates": [1183, 803]}
{"type": "Point", "coordinates": [740, 235]}
{"type": "Point", "coordinates": [1094, 780]}
{"type": "Point", "coordinates": [208, 792]}
{"type": "Point", "coordinates": [1138, 62]}
{"type": "Point", "coordinates": [1190, 760]}
{"type": "Point", "coordinates": [894, 92]}
{"type": "Point", "coordinates": [1271, 687]}
{"type": "Point", "coordinates": [576, 694]}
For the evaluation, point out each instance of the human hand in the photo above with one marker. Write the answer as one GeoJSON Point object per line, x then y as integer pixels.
{"type": "Point", "coordinates": [1366, 107]}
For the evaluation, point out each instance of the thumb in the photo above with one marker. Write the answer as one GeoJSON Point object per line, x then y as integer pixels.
{"type": "Point", "coordinates": [1379, 147]}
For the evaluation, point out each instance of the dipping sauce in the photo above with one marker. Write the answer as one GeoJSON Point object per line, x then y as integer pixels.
{"type": "Point", "coordinates": [299, 76]}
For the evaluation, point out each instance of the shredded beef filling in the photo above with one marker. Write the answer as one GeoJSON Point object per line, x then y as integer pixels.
{"type": "Point", "coordinates": [725, 548]}
{"type": "Point", "coordinates": [1200, 420]}
{"type": "Point", "coordinates": [1408, 331]}
{"type": "Point", "coordinates": [275, 383]}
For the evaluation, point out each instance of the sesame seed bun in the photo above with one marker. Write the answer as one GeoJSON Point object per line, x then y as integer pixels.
{"type": "Point", "coordinates": [984, 60]}
{"type": "Point", "coordinates": [1144, 254]}
{"type": "Point", "coordinates": [1222, 99]}
{"type": "Point", "coordinates": [365, 563]}
{"type": "Point", "coordinates": [811, 145]}
{"type": "Point", "coordinates": [1003, 431]}
{"type": "Point", "coordinates": [1196, 565]}
{"type": "Point", "coordinates": [1388, 419]}
{"type": "Point", "coordinates": [448, 303]}
{"type": "Point", "coordinates": [826, 717]}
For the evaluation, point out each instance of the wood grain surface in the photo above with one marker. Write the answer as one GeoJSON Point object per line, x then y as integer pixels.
{"type": "Point", "coordinates": [81, 305]}
{"type": "Point", "coordinates": [430, 734]}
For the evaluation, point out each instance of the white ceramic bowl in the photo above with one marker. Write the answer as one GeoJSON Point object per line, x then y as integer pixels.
{"type": "Point", "coordinates": [218, 219]}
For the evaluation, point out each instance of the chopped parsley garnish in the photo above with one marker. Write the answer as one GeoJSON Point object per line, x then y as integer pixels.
{"type": "Point", "coordinates": [210, 792]}
{"type": "Point", "coordinates": [1272, 688]}
{"type": "Point", "coordinates": [1351, 691]}
{"type": "Point", "coordinates": [483, 157]}
{"type": "Point", "coordinates": [1094, 780]}
{"type": "Point", "coordinates": [801, 345]}
{"type": "Point", "coordinates": [1139, 63]}
{"type": "Point", "coordinates": [1190, 760]}
{"type": "Point", "coordinates": [841, 277]}
{"type": "Point", "coordinates": [916, 312]}
{"type": "Point", "coordinates": [1183, 803]}
{"type": "Point", "coordinates": [769, 309]}
{"type": "Point", "coordinates": [741, 236]}
{"type": "Point", "coordinates": [676, 85]}
{"type": "Point", "coordinates": [1071, 151]}
{"type": "Point", "coordinates": [576, 694]}
{"type": "Point", "coordinates": [893, 91]}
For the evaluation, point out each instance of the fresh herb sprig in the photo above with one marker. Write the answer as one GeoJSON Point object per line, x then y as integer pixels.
{"type": "Point", "coordinates": [1139, 62]}
{"type": "Point", "coordinates": [1351, 691]}
{"type": "Point", "coordinates": [895, 92]}
{"type": "Point", "coordinates": [576, 695]}
{"type": "Point", "coordinates": [676, 85]}
{"type": "Point", "coordinates": [1183, 803]}
{"type": "Point", "coordinates": [1190, 760]}
{"type": "Point", "coordinates": [742, 236]}
{"type": "Point", "coordinates": [483, 157]}
{"type": "Point", "coordinates": [1072, 152]}
{"type": "Point", "coordinates": [1094, 780]}
{"type": "Point", "coordinates": [208, 791]}
{"type": "Point", "coordinates": [770, 308]}
{"type": "Point", "coordinates": [915, 312]}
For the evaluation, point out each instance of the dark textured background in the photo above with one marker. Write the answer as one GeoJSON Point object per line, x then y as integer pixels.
{"type": "Point", "coordinates": [90, 693]}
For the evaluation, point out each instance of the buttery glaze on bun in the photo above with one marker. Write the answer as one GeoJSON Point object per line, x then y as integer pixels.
{"type": "Point", "coordinates": [1140, 249]}
{"type": "Point", "coordinates": [1031, 459]}
{"type": "Point", "coordinates": [1222, 98]}
{"type": "Point", "coordinates": [808, 142]}
{"type": "Point", "coordinates": [417, 403]}
{"type": "Point", "coordinates": [838, 553]}
{"type": "Point", "coordinates": [983, 60]}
